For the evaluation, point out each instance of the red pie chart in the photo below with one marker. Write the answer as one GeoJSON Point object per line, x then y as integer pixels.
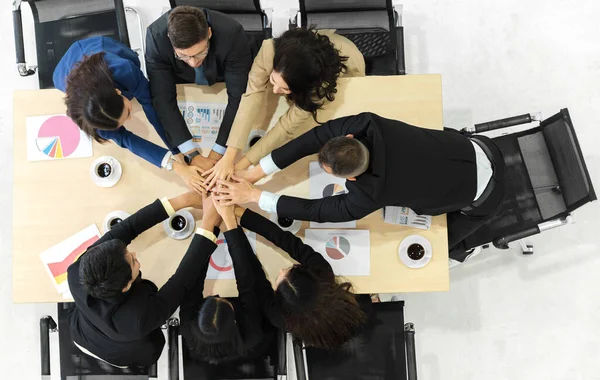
{"type": "Point", "coordinates": [337, 247]}
{"type": "Point", "coordinates": [220, 259]}
{"type": "Point", "coordinates": [58, 137]}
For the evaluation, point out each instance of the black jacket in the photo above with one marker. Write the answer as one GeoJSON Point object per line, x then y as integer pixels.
{"type": "Point", "coordinates": [432, 172]}
{"type": "Point", "coordinates": [126, 330]}
{"type": "Point", "coordinates": [256, 333]}
{"type": "Point", "coordinates": [293, 245]}
{"type": "Point", "coordinates": [229, 60]}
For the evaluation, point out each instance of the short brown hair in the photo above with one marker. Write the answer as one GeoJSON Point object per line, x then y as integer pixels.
{"type": "Point", "coordinates": [187, 26]}
{"type": "Point", "coordinates": [345, 156]}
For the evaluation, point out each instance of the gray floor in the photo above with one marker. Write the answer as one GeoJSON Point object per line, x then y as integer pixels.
{"type": "Point", "coordinates": [506, 316]}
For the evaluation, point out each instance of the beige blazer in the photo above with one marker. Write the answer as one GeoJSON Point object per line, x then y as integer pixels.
{"type": "Point", "coordinates": [295, 121]}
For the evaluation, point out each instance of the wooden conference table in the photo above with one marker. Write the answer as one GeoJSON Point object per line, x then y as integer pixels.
{"type": "Point", "coordinates": [53, 200]}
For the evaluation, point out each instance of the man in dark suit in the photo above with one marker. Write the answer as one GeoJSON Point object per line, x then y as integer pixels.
{"type": "Point", "coordinates": [118, 314]}
{"type": "Point", "coordinates": [386, 163]}
{"type": "Point", "coordinates": [194, 45]}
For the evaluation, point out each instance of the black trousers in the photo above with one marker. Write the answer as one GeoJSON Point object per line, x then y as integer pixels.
{"type": "Point", "coordinates": [464, 223]}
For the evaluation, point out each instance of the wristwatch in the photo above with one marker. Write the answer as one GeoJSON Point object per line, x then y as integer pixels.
{"type": "Point", "coordinates": [170, 164]}
{"type": "Point", "coordinates": [188, 157]}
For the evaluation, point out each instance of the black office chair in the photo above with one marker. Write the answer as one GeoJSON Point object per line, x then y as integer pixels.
{"type": "Point", "coordinates": [271, 366]}
{"type": "Point", "coordinates": [546, 178]}
{"type": "Point", "coordinates": [74, 364]}
{"type": "Point", "coordinates": [385, 349]}
{"type": "Point", "coordinates": [247, 12]}
{"type": "Point", "coordinates": [374, 26]}
{"type": "Point", "coordinates": [59, 23]}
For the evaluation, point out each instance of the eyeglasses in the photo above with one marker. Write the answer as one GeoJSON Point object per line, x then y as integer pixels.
{"type": "Point", "coordinates": [200, 55]}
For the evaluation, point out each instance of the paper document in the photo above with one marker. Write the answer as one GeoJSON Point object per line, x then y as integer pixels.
{"type": "Point", "coordinates": [348, 251]}
{"type": "Point", "coordinates": [220, 266]}
{"type": "Point", "coordinates": [404, 216]}
{"type": "Point", "coordinates": [203, 120]}
{"type": "Point", "coordinates": [58, 258]}
{"type": "Point", "coordinates": [323, 184]}
{"type": "Point", "coordinates": [55, 137]}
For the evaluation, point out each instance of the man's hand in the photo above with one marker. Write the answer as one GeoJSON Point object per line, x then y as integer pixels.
{"type": "Point", "coordinates": [203, 163]}
{"type": "Point", "coordinates": [189, 199]}
{"type": "Point", "coordinates": [237, 191]}
{"type": "Point", "coordinates": [191, 175]}
{"type": "Point", "coordinates": [227, 213]}
{"type": "Point", "coordinates": [210, 217]}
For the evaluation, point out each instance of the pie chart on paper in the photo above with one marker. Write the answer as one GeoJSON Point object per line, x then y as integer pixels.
{"type": "Point", "coordinates": [58, 137]}
{"type": "Point", "coordinates": [333, 189]}
{"type": "Point", "coordinates": [337, 247]}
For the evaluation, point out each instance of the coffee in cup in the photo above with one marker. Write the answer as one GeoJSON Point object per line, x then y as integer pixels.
{"type": "Point", "coordinates": [104, 170]}
{"type": "Point", "coordinates": [114, 222]}
{"type": "Point", "coordinates": [285, 222]}
{"type": "Point", "coordinates": [178, 223]}
{"type": "Point", "coordinates": [254, 140]}
{"type": "Point", "coordinates": [416, 251]}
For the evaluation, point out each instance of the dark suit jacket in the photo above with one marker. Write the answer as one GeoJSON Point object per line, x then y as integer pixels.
{"type": "Point", "coordinates": [293, 245]}
{"type": "Point", "coordinates": [250, 279]}
{"type": "Point", "coordinates": [432, 172]}
{"type": "Point", "coordinates": [229, 59]}
{"type": "Point", "coordinates": [125, 330]}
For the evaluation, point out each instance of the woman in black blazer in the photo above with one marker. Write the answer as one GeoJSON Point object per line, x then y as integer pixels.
{"type": "Point", "coordinates": [216, 329]}
{"type": "Point", "coordinates": [309, 300]}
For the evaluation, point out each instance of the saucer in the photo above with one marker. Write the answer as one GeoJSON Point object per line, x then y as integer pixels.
{"type": "Point", "coordinates": [403, 251]}
{"type": "Point", "coordinates": [114, 176]}
{"type": "Point", "coordinates": [113, 215]}
{"type": "Point", "coordinates": [186, 232]}
{"type": "Point", "coordinates": [294, 228]}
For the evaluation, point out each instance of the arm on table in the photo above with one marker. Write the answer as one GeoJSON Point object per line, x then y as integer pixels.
{"type": "Point", "coordinates": [137, 145]}
{"type": "Point", "coordinates": [164, 94]}
{"type": "Point", "coordinates": [339, 208]}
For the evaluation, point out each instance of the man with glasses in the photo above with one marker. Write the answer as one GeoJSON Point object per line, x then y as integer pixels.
{"type": "Point", "coordinates": [195, 45]}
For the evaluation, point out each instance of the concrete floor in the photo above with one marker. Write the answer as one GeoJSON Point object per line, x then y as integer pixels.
{"type": "Point", "coordinates": [506, 316]}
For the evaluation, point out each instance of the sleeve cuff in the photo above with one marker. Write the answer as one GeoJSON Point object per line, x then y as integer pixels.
{"type": "Point", "coordinates": [167, 205]}
{"type": "Point", "coordinates": [268, 165]}
{"type": "Point", "coordinates": [268, 201]}
{"type": "Point", "coordinates": [166, 159]}
{"type": "Point", "coordinates": [187, 146]}
{"type": "Point", "coordinates": [219, 149]}
{"type": "Point", "coordinates": [207, 234]}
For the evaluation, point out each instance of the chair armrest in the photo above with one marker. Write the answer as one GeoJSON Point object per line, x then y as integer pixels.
{"type": "Point", "coordinates": [301, 370]}
{"type": "Point", "coordinates": [411, 355]}
{"type": "Point", "coordinates": [47, 324]}
{"type": "Point", "coordinates": [502, 242]}
{"type": "Point", "coordinates": [173, 336]}
{"type": "Point", "coordinates": [504, 123]}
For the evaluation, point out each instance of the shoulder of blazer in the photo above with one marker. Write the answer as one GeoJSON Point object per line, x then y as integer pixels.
{"type": "Point", "coordinates": [356, 61]}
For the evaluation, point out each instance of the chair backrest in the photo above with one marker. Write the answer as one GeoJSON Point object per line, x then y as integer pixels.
{"type": "Point", "coordinates": [369, 24]}
{"type": "Point", "coordinates": [247, 12]}
{"type": "Point", "coordinates": [545, 175]}
{"type": "Point", "coordinates": [74, 363]}
{"type": "Point", "coordinates": [378, 352]}
{"type": "Point", "coordinates": [59, 23]}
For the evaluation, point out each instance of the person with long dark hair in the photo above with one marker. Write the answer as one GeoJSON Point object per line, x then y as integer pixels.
{"type": "Point", "coordinates": [302, 64]}
{"type": "Point", "coordinates": [218, 330]}
{"type": "Point", "coordinates": [309, 301]}
{"type": "Point", "coordinates": [100, 77]}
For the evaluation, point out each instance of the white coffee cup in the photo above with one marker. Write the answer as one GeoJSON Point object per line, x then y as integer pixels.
{"type": "Point", "coordinates": [180, 226]}
{"type": "Point", "coordinates": [106, 171]}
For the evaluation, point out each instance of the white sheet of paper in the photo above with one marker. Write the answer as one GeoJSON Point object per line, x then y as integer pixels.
{"type": "Point", "coordinates": [404, 216]}
{"type": "Point", "coordinates": [348, 251]}
{"type": "Point", "coordinates": [203, 121]}
{"type": "Point", "coordinates": [55, 137]}
{"type": "Point", "coordinates": [220, 266]}
{"type": "Point", "coordinates": [324, 185]}
{"type": "Point", "coordinates": [57, 258]}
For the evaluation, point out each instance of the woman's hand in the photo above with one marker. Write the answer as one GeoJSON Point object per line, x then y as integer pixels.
{"type": "Point", "coordinates": [223, 169]}
{"type": "Point", "coordinates": [203, 163]}
{"type": "Point", "coordinates": [237, 191]}
{"type": "Point", "coordinates": [191, 175]}
{"type": "Point", "coordinates": [252, 175]}
{"type": "Point", "coordinates": [210, 216]}
{"type": "Point", "coordinates": [227, 213]}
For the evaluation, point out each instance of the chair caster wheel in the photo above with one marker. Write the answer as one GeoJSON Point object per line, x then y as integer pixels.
{"type": "Point", "coordinates": [528, 251]}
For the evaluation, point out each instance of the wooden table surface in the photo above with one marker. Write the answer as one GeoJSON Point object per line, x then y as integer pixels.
{"type": "Point", "coordinates": [53, 200]}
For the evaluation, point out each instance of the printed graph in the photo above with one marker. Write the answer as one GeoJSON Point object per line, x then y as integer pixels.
{"type": "Point", "coordinates": [337, 247]}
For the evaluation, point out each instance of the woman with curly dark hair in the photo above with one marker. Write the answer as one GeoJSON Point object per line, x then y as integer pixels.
{"type": "Point", "coordinates": [308, 301]}
{"type": "Point", "coordinates": [218, 330]}
{"type": "Point", "coordinates": [302, 64]}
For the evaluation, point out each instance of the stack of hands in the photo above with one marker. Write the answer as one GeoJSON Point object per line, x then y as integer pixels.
{"type": "Point", "coordinates": [219, 180]}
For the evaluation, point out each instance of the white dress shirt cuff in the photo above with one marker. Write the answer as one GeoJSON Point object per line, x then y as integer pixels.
{"type": "Point", "coordinates": [166, 159]}
{"type": "Point", "coordinates": [168, 207]}
{"type": "Point", "coordinates": [268, 165]}
{"type": "Point", "coordinates": [207, 234]}
{"type": "Point", "coordinates": [187, 146]}
{"type": "Point", "coordinates": [268, 201]}
{"type": "Point", "coordinates": [219, 149]}
{"type": "Point", "coordinates": [484, 170]}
